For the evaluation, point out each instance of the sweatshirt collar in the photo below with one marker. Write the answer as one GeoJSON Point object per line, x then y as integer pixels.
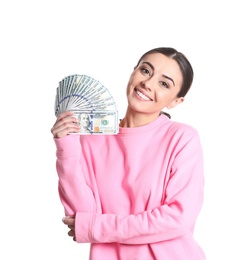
{"type": "Point", "coordinates": [140, 129]}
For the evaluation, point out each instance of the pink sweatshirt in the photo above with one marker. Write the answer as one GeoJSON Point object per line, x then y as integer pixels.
{"type": "Point", "coordinates": [136, 195]}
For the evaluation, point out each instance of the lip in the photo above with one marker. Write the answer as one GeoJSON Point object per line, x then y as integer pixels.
{"type": "Point", "coordinates": [135, 89]}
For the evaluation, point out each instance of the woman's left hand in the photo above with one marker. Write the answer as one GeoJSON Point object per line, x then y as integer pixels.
{"type": "Point", "coordinates": [70, 222]}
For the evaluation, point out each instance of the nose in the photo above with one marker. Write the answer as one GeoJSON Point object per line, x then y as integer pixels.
{"type": "Point", "coordinates": [148, 84]}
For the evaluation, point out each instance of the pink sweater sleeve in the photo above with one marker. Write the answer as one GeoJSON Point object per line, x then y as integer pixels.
{"type": "Point", "coordinates": [175, 216]}
{"type": "Point", "coordinates": [74, 192]}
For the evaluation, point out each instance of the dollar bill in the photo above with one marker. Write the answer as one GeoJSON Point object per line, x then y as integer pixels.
{"type": "Point", "coordinates": [91, 103]}
{"type": "Point", "coordinates": [97, 122]}
{"type": "Point", "coordinates": [82, 92]}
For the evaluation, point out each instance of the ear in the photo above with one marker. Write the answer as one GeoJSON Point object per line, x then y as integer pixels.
{"type": "Point", "coordinates": [175, 102]}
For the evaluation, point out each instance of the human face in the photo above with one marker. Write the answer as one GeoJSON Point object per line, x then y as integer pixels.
{"type": "Point", "coordinates": [154, 85]}
{"type": "Point", "coordinates": [84, 120]}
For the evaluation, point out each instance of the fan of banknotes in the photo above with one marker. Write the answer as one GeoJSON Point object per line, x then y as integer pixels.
{"type": "Point", "coordinates": [91, 103]}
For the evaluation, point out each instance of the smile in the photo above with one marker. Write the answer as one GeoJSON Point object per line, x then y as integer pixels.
{"type": "Point", "coordinates": [142, 96]}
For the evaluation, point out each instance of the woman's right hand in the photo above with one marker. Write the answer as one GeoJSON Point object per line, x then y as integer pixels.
{"type": "Point", "coordinates": [66, 123]}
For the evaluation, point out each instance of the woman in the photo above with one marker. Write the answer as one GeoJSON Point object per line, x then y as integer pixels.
{"type": "Point", "coordinates": [137, 194]}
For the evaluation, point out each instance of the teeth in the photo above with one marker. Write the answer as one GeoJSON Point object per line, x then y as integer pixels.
{"type": "Point", "coordinates": [142, 95]}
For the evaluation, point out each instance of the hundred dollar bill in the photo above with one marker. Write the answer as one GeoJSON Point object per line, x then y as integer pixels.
{"type": "Point", "coordinates": [97, 122]}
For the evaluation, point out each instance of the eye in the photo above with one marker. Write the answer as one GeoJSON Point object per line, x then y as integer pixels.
{"type": "Point", "coordinates": [145, 71]}
{"type": "Point", "coordinates": [164, 84]}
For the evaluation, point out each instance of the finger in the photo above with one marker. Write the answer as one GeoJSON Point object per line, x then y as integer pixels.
{"type": "Point", "coordinates": [65, 114]}
{"type": "Point", "coordinates": [70, 221]}
{"type": "Point", "coordinates": [71, 233]}
{"type": "Point", "coordinates": [64, 130]}
{"type": "Point", "coordinates": [71, 227]}
{"type": "Point", "coordinates": [67, 121]}
{"type": "Point", "coordinates": [65, 118]}
{"type": "Point", "coordinates": [65, 126]}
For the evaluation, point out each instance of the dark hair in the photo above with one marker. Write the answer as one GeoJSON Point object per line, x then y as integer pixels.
{"type": "Point", "coordinates": [184, 64]}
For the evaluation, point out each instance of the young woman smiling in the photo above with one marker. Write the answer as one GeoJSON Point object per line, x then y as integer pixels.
{"type": "Point", "coordinates": [136, 194]}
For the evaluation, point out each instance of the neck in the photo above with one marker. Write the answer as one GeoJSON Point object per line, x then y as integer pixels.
{"type": "Point", "coordinates": [135, 119]}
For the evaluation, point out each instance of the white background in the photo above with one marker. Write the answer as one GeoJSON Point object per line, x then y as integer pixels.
{"type": "Point", "coordinates": [44, 41]}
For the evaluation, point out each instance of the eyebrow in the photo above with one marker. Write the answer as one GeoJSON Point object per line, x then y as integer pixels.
{"type": "Point", "coordinates": [165, 76]}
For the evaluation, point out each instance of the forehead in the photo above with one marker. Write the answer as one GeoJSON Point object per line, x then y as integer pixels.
{"type": "Point", "coordinates": [159, 60]}
{"type": "Point", "coordinates": [163, 65]}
